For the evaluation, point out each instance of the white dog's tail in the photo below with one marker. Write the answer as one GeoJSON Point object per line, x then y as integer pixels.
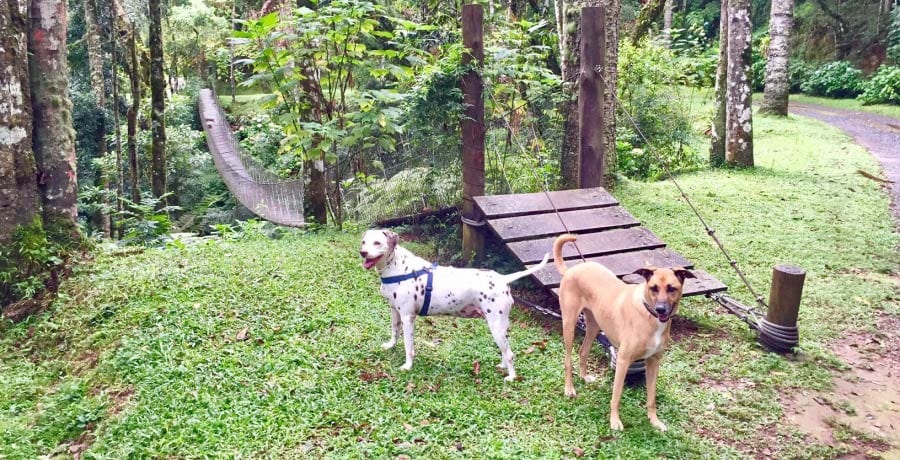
{"type": "Point", "coordinates": [522, 274]}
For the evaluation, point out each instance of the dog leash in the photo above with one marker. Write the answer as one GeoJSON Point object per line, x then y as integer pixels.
{"type": "Point", "coordinates": [413, 275]}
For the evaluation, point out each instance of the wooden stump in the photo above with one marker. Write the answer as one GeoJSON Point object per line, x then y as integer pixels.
{"type": "Point", "coordinates": [472, 127]}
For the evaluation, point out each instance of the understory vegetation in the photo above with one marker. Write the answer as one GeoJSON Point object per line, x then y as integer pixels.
{"type": "Point", "coordinates": [248, 346]}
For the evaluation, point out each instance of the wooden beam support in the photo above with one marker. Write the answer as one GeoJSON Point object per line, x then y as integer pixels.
{"type": "Point", "coordinates": [590, 98]}
{"type": "Point", "coordinates": [472, 127]}
{"type": "Point", "coordinates": [784, 298]}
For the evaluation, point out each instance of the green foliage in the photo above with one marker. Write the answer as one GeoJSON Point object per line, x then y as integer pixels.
{"type": "Point", "coordinates": [645, 74]}
{"type": "Point", "coordinates": [799, 72]}
{"type": "Point", "coordinates": [87, 120]}
{"type": "Point", "coordinates": [25, 263]}
{"type": "Point", "coordinates": [261, 137]}
{"type": "Point", "coordinates": [407, 192]}
{"type": "Point", "coordinates": [337, 92]}
{"type": "Point", "coordinates": [834, 79]}
{"type": "Point", "coordinates": [145, 223]}
{"type": "Point", "coordinates": [893, 38]}
{"type": "Point", "coordinates": [883, 87]}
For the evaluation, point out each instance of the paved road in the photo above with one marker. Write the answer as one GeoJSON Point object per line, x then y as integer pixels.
{"type": "Point", "coordinates": [878, 133]}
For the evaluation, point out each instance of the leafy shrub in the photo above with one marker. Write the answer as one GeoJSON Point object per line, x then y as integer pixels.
{"type": "Point", "coordinates": [25, 263]}
{"type": "Point", "coordinates": [835, 79]}
{"type": "Point", "coordinates": [143, 223]}
{"type": "Point", "coordinates": [799, 71]}
{"type": "Point", "coordinates": [883, 87]}
{"type": "Point", "coordinates": [645, 74]}
{"type": "Point", "coordinates": [407, 192]}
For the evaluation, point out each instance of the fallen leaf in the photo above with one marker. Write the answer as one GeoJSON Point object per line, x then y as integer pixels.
{"type": "Point", "coordinates": [424, 422]}
{"type": "Point", "coordinates": [459, 447]}
{"type": "Point", "coordinates": [529, 350]}
{"type": "Point", "coordinates": [549, 418]}
{"type": "Point", "coordinates": [476, 367]}
{"type": "Point", "coordinates": [408, 427]}
{"type": "Point", "coordinates": [410, 386]}
{"type": "Point", "coordinates": [578, 451]}
{"type": "Point", "coordinates": [403, 457]}
{"type": "Point", "coordinates": [243, 334]}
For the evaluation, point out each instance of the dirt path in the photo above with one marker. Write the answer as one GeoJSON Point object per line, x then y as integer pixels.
{"type": "Point", "coordinates": [878, 133]}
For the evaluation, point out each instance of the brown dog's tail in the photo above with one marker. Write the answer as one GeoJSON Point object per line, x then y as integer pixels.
{"type": "Point", "coordinates": [557, 251]}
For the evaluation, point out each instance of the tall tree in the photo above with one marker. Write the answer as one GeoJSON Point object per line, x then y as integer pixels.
{"type": "Point", "coordinates": [157, 103]}
{"type": "Point", "coordinates": [738, 112]}
{"type": "Point", "coordinates": [717, 129]}
{"type": "Point", "coordinates": [775, 101]}
{"type": "Point", "coordinates": [610, 78]}
{"type": "Point", "coordinates": [667, 22]}
{"type": "Point", "coordinates": [98, 88]}
{"type": "Point", "coordinates": [53, 136]}
{"type": "Point", "coordinates": [568, 31]}
{"type": "Point", "coordinates": [19, 199]}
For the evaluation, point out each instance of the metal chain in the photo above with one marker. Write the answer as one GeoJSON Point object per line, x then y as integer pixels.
{"type": "Point", "coordinates": [662, 161]}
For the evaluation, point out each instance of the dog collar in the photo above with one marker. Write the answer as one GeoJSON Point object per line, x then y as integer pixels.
{"type": "Point", "coordinates": [413, 275]}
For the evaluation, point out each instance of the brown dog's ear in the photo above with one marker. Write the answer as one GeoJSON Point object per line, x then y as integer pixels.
{"type": "Point", "coordinates": [682, 274]}
{"type": "Point", "coordinates": [646, 273]}
{"type": "Point", "coordinates": [392, 238]}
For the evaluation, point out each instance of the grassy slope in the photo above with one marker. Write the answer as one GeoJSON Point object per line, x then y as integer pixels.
{"type": "Point", "coordinates": [142, 350]}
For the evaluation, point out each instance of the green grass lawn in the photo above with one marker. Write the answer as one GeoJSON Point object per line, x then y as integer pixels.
{"type": "Point", "coordinates": [259, 348]}
{"type": "Point", "coordinates": [847, 104]}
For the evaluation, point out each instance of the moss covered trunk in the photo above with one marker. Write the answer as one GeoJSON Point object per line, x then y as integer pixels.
{"type": "Point", "coordinates": [53, 137]}
{"type": "Point", "coordinates": [717, 129]}
{"type": "Point", "coordinates": [610, 78]}
{"type": "Point", "coordinates": [570, 65]}
{"type": "Point", "coordinates": [775, 101]}
{"type": "Point", "coordinates": [157, 104]}
{"type": "Point", "coordinates": [738, 114]}
{"type": "Point", "coordinates": [19, 199]}
{"type": "Point", "coordinates": [134, 76]}
{"type": "Point", "coordinates": [98, 88]}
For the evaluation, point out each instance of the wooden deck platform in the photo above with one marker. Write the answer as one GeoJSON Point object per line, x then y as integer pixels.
{"type": "Point", "coordinates": [608, 234]}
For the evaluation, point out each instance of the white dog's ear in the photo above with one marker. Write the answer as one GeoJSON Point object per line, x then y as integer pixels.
{"type": "Point", "coordinates": [392, 238]}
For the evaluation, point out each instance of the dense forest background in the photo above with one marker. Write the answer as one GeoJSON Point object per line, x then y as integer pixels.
{"type": "Point", "coordinates": [362, 101]}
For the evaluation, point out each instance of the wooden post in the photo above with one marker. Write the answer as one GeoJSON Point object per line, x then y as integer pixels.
{"type": "Point", "coordinates": [590, 98]}
{"type": "Point", "coordinates": [472, 127]}
{"type": "Point", "coordinates": [784, 298]}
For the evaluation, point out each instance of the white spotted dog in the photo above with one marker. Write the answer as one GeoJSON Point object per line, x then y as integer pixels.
{"type": "Point", "coordinates": [414, 286]}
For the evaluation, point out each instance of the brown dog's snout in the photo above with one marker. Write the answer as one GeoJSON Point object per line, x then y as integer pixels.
{"type": "Point", "coordinates": [662, 308]}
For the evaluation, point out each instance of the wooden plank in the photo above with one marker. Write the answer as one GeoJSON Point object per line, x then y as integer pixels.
{"type": "Point", "coordinates": [621, 264]}
{"type": "Point", "coordinates": [590, 244]}
{"type": "Point", "coordinates": [496, 206]}
{"type": "Point", "coordinates": [704, 283]}
{"type": "Point", "coordinates": [548, 224]}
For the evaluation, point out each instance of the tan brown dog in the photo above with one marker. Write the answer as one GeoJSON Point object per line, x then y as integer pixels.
{"type": "Point", "coordinates": [635, 318]}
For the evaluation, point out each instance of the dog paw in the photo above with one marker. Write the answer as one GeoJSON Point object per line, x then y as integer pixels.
{"type": "Point", "coordinates": [615, 424]}
{"type": "Point", "coordinates": [570, 392]}
{"type": "Point", "coordinates": [510, 377]}
{"type": "Point", "coordinates": [501, 365]}
{"type": "Point", "coordinates": [406, 367]}
{"type": "Point", "coordinates": [388, 345]}
{"type": "Point", "coordinates": [659, 425]}
{"type": "Point", "coordinates": [590, 378]}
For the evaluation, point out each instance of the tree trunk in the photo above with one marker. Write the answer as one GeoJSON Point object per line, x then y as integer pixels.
{"type": "Point", "coordinates": [717, 130]}
{"type": "Point", "coordinates": [120, 170]}
{"type": "Point", "coordinates": [53, 136]}
{"type": "Point", "coordinates": [649, 14]}
{"type": "Point", "coordinates": [667, 22]}
{"type": "Point", "coordinates": [610, 78]}
{"type": "Point", "coordinates": [315, 198]}
{"type": "Point", "coordinates": [778, 84]}
{"type": "Point", "coordinates": [157, 104]}
{"type": "Point", "coordinates": [95, 63]}
{"type": "Point", "coordinates": [570, 65]}
{"type": "Point", "coordinates": [738, 115]}
{"type": "Point", "coordinates": [20, 203]}
{"type": "Point", "coordinates": [134, 75]}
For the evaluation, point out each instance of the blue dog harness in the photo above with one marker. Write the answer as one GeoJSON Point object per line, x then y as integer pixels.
{"type": "Point", "coordinates": [425, 271]}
